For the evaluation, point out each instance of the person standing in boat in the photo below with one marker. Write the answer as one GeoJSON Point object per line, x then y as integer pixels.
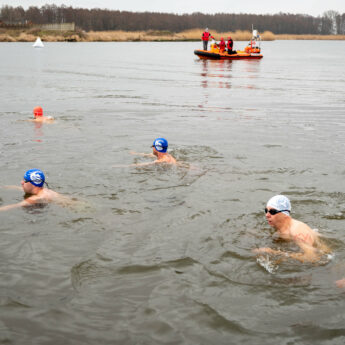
{"type": "Point", "coordinates": [205, 37]}
{"type": "Point", "coordinates": [221, 45]}
{"type": "Point", "coordinates": [230, 45]}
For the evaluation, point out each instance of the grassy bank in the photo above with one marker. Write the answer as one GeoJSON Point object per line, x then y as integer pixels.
{"type": "Point", "coordinates": [145, 36]}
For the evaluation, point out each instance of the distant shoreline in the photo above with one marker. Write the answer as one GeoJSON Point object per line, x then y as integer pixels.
{"type": "Point", "coordinates": [145, 36]}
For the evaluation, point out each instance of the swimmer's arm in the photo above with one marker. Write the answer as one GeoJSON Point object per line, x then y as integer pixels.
{"type": "Point", "coordinates": [13, 187]}
{"type": "Point", "coordinates": [187, 166]}
{"type": "Point", "coordinates": [142, 154]}
{"type": "Point", "coordinates": [144, 164]}
{"type": "Point", "coordinates": [308, 254]}
{"type": "Point", "coordinates": [340, 283]}
{"type": "Point", "coordinates": [23, 203]}
{"type": "Point", "coordinates": [269, 251]}
{"type": "Point", "coordinates": [134, 165]}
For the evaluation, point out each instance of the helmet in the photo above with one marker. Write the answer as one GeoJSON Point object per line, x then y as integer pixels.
{"type": "Point", "coordinates": [160, 144]}
{"type": "Point", "coordinates": [38, 111]}
{"type": "Point", "coordinates": [229, 38]}
{"type": "Point", "coordinates": [35, 177]}
{"type": "Point", "coordinates": [222, 38]}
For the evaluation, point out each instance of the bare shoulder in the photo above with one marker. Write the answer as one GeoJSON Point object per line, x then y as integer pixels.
{"type": "Point", "coordinates": [167, 159]}
{"type": "Point", "coordinates": [46, 119]}
{"type": "Point", "coordinates": [297, 225]}
{"type": "Point", "coordinates": [50, 195]}
{"type": "Point", "coordinates": [302, 232]}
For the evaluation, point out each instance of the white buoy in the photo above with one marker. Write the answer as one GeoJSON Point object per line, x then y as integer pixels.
{"type": "Point", "coordinates": [38, 43]}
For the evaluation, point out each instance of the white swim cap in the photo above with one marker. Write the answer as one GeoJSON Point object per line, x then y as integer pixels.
{"type": "Point", "coordinates": [280, 203]}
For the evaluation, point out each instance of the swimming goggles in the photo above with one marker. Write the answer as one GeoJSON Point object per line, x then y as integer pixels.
{"type": "Point", "coordinates": [273, 211]}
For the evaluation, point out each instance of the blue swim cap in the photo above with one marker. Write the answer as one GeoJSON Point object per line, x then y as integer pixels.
{"type": "Point", "coordinates": [35, 177]}
{"type": "Point", "coordinates": [160, 144]}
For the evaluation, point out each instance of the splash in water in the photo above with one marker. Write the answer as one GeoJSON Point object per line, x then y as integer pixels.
{"type": "Point", "coordinates": [269, 265]}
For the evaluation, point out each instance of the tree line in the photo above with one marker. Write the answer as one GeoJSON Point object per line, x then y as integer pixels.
{"type": "Point", "coordinates": [330, 23]}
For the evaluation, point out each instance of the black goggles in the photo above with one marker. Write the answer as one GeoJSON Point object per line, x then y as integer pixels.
{"type": "Point", "coordinates": [273, 211]}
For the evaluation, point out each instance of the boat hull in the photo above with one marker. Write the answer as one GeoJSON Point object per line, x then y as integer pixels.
{"type": "Point", "coordinates": [206, 54]}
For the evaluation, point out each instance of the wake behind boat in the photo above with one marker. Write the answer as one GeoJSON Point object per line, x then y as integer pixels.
{"type": "Point", "coordinates": [251, 51]}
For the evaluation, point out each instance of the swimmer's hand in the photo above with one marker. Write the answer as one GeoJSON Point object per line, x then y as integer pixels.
{"type": "Point", "coordinates": [133, 165]}
{"type": "Point", "coordinates": [340, 283]}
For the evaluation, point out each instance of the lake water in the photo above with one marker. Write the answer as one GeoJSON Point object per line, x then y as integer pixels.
{"type": "Point", "coordinates": [163, 255]}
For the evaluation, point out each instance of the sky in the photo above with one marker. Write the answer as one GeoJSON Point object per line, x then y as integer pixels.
{"type": "Point", "coordinates": [311, 7]}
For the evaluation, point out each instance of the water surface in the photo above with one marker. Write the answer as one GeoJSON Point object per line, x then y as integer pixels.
{"type": "Point", "coordinates": [162, 255]}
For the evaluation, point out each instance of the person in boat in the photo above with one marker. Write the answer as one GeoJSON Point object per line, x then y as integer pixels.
{"type": "Point", "coordinates": [308, 240]}
{"type": "Point", "coordinates": [221, 45]}
{"type": "Point", "coordinates": [159, 152]}
{"type": "Point", "coordinates": [229, 46]}
{"type": "Point", "coordinates": [205, 37]}
{"type": "Point", "coordinates": [35, 192]}
{"type": "Point", "coordinates": [38, 116]}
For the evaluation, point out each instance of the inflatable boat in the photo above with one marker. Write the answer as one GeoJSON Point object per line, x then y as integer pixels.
{"type": "Point", "coordinates": [251, 51]}
{"type": "Point", "coordinates": [217, 55]}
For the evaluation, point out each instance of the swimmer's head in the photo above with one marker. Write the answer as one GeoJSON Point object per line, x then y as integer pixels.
{"type": "Point", "coordinates": [35, 177]}
{"type": "Point", "coordinates": [161, 145]}
{"type": "Point", "coordinates": [38, 111]}
{"type": "Point", "coordinates": [280, 203]}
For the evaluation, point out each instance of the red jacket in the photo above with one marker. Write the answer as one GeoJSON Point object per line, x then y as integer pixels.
{"type": "Point", "coordinates": [205, 36]}
{"type": "Point", "coordinates": [222, 45]}
{"type": "Point", "coordinates": [230, 44]}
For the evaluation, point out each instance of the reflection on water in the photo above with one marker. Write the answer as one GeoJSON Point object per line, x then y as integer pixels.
{"type": "Point", "coordinates": [38, 133]}
{"type": "Point", "coordinates": [159, 254]}
{"type": "Point", "coordinates": [220, 70]}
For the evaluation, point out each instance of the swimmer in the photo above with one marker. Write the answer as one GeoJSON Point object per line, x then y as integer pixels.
{"type": "Point", "coordinates": [35, 193]}
{"type": "Point", "coordinates": [278, 216]}
{"type": "Point", "coordinates": [38, 116]}
{"type": "Point", "coordinates": [159, 151]}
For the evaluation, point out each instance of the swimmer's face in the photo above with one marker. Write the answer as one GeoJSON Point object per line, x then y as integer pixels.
{"type": "Point", "coordinates": [154, 151]}
{"type": "Point", "coordinates": [27, 187]}
{"type": "Point", "coordinates": [273, 219]}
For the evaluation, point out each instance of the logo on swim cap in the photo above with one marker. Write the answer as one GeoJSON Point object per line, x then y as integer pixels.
{"type": "Point", "coordinates": [35, 177]}
{"type": "Point", "coordinates": [280, 203]}
{"type": "Point", "coordinates": [160, 144]}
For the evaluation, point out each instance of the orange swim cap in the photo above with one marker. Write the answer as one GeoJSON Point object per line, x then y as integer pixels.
{"type": "Point", "coordinates": [38, 111]}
